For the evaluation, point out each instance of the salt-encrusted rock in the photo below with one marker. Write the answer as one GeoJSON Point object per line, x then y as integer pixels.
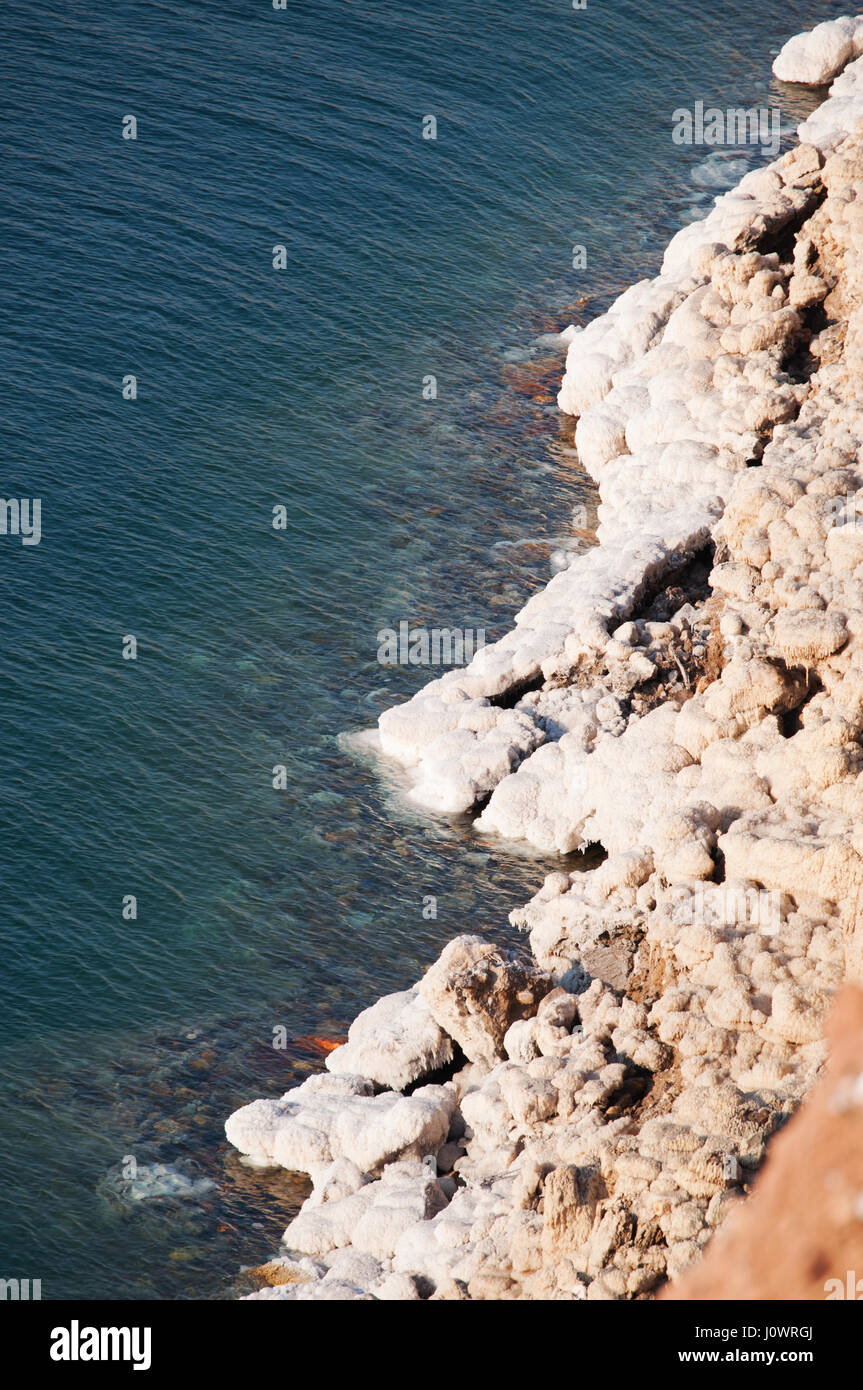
{"type": "Point", "coordinates": [795, 854]}
{"type": "Point", "coordinates": [570, 1197]}
{"type": "Point", "coordinates": [547, 1034]}
{"type": "Point", "coordinates": [519, 1043]}
{"type": "Point", "coordinates": [398, 1288]}
{"type": "Point", "coordinates": [393, 1043]}
{"type": "Point", "coordinates": [815, 57]}
{"type": "Point", "coordinates": [529, 1099]}
{"type": "Point", "coordinates": [441, 1249]}
{"type": "Point", "coordinates": [253, 1128]}
{"type": "Point", "coordinates": [330, 1225]}
{"type": "Point", "coordinates": [475, 991]}
{"type": "Point", "coordinates": [459, 743]}
{"type": "Point", "coordinates": [329, 1290]}
{"type": "Point", "coordinates": [807, 636]}
{"type": "Point", "coordinates": [330, 1117]}
{"type": "Point", "coordinates": [402, 1201]}
{"type": "Point", "coordinates": [337, 1180]}
{"type": "Point", "coordinates": [798, 1014]}
{"type": "Point", "coordinates": [613, 1230]}
{"type": "Point", "coordinates": [370, 1220]}
{"type": "Point", "coordinates": [355, 1267]}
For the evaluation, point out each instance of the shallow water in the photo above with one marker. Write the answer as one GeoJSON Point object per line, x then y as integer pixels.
{"type": "Point", "coordinates": [259, 908]}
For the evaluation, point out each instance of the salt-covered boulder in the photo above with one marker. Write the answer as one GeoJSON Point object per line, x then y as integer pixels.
{"type": "Point", "coordinates": [329, 1290]}
{"type": "Point", "coordinates": [815, 57]}
{"type": "Point", "coordinates": [806, 636]}
{"type": "Point", "coordinates": [747, 688]}
{"type": "Point", "coordinates": [339, 1179]}
{"type": "Point", "coordinates": [475, 990]}
{"type": "Point", "coordinates": [441, 1249]}
{"type": "Point", "coordinates": [794, 854]}
{"type": "Point", "coordinates": [398, 1288]}
{"type": "Point", "coordinates": [393, 1043]}
{"type": "Point", "coordinates": [371, 1219]}
{"type": "Point", "coordinates": [316, 1230]}
{"type": "Point", "coordinates": [401, 1199]}
{"type": "Point", "coordinates": [330, 1117]}
{"type": "Point", "coordinates": [529, 1099]}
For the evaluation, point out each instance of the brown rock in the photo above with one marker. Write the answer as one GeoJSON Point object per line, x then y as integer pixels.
{"type": "Point", "coordinates": [475, 991]}
{"type": "Point", "coordinates": [570, 1195]}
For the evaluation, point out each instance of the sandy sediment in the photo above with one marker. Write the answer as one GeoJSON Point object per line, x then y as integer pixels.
{"type": "Point", "coordinates": [576, 1122]}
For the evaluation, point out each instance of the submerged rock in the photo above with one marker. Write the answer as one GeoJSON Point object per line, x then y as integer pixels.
{"type": "Point", "coordinates": [157, 1182]}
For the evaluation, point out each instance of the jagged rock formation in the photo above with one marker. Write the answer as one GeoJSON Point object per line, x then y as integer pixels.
{"type": "Point", "coordinates": [689, 695]}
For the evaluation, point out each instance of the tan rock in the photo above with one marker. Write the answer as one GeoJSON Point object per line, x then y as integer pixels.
{"type": "Point", "coordinates": [475, 991]}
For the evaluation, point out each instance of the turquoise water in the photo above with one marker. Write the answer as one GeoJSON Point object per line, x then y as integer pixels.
{"type": "Point", "coordinates": [406, 257]}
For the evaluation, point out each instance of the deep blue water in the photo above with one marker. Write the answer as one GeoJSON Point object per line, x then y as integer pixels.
{"type": "Point", "coordinates": [256, 388]}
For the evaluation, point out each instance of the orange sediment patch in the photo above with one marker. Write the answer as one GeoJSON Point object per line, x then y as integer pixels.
{"type": "Point", "coordinates": [322, 1044]}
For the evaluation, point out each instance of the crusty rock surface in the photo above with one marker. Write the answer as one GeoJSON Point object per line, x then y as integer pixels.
{"type": "Point", "coordinates": [800, 1236]}
{"type": "Point", "coordinates": [393, 1043]}
{"type": "Point", "coordinates": [688, 695]}
{"type": "Point", "coordinates": [330, 1117]}
{"type": "Point", "coordinates": [476, 991]}
{"type": "Point", "coordinates": [818, 55]}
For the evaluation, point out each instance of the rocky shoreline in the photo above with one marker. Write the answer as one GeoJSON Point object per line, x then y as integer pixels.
{"type": "Point", "coordinates": [578, 1121]}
